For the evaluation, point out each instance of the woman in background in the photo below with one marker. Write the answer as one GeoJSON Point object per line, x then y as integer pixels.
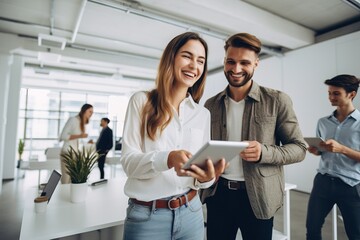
{"type": "Point", "coordinates": [74, 130]}
{"type": "Point", "coordinates": [162, 129]}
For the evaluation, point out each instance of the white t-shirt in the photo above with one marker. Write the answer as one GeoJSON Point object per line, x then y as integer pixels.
{"type": "Point", "coordinates": [145, 161]}
{"type": "Point", "coordinates": [234, 119]}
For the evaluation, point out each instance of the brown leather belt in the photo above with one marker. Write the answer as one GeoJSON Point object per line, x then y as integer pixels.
{"type": "Point", "coordinates": [170, 204]}
{"type": "Point", "coordinates": [231, 184]}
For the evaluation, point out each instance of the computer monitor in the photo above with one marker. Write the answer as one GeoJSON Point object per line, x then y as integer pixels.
{"type": "Point", "coordinates": [51, 184]}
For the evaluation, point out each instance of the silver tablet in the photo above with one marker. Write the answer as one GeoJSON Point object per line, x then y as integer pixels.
{"type": "Point", "coordinates": [314, 142]}
{"type": "Point", "coordinates": [216, 150]}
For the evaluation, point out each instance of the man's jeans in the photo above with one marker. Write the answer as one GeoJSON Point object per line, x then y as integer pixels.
{"type": "Point", "coordinates": [326, 192]}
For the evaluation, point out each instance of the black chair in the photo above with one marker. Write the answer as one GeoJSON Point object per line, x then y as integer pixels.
{"type": "Point", "coordinates": [118, 144]}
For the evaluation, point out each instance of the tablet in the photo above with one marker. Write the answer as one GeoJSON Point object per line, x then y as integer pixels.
{"type": "Point", "coordinates": [216, 150]}
{"type": "Point", "coordinates": [314, 142]}
{"type": "Point", "coordinates": [51, 184]}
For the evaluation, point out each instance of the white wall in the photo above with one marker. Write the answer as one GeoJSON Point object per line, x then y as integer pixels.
{"type": "Point", "coordinates": [301, 74]}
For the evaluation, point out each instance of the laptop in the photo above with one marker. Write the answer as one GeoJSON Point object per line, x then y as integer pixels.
{"type": "Point", "coordinates": [51, 184]}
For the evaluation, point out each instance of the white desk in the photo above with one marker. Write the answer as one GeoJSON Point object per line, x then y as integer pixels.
{"type": "Point", "coordinates": [105, 206]}
{"type": "Point", "coordinates": [285, 235]}
{"type": "Point", "coordinates": [41, 164]}
{"type": "Point", "coordinates": [113, 159]}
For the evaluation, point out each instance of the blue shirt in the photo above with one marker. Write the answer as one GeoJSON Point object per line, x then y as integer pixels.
{"type": "Point", "coordinates": [346, 133]}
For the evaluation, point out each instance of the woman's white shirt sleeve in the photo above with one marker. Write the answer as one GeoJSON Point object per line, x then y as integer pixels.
{"type": "Point", "coordinates": [145, 161]}
{"type": "Point", "coordinates": [72, 127]}
{"type": "Point", "coordinates": [136, 162]}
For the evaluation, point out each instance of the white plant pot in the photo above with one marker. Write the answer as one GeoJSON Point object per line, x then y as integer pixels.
{"type": "Point", "coordinates": [78, 192]}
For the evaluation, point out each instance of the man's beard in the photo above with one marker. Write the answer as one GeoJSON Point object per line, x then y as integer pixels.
{"type": "Point", "coordinates": [247, 77]}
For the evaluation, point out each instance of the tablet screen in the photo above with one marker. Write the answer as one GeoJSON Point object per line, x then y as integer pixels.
{"type": "Point", "coordinates": [314, 142]}
{"type": "Point", "coordinates": [51, 184]}
{"type": "Point", "coordinates": [216, 150]}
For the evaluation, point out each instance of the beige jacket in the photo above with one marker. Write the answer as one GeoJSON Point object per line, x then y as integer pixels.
{"type": "Point", "coordinates": [269, 119]}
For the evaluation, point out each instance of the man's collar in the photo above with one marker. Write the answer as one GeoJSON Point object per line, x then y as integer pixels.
{"type": "Point", "coordinates": [355, 114]}
{"type": "Point", "coordinates": [254, 92]}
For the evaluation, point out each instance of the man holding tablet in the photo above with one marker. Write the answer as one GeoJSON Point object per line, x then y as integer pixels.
{"type": "Point", "coordinates": [251, 189]}
{"type": "Point", "coordinates": [338, 178]}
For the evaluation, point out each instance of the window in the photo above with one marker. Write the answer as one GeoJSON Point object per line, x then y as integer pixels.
{"type": "Point", "coordinates": [43, 114]}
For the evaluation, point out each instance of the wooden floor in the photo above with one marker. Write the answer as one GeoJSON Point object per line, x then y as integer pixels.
{"type": "Point", "coordinates": [13, 196]}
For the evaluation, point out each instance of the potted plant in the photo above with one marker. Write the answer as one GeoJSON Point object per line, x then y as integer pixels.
{"type": "Point", "coordinates": [79, 164]}
{"type": "Point", "coordinates": [21, 147]}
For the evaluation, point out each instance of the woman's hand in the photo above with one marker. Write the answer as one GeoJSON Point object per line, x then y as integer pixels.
{"type": "Point", "coordinates": [209, 172]}
{"type": "Point", "coordinates": [177, 159]}
{"type": "Point", "coordinates": [83, 135]}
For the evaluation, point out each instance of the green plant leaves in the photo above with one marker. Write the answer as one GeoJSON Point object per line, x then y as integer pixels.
{"type": "Point", "coordinates": [79, 163]}
{"type": "Point", "coordinates": [21, 146]}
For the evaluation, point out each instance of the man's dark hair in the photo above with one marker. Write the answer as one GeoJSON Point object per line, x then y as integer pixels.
{"type": "Point", "coordinates": [348, 82]}
{"type": "Point", "coordinates": [244, 40]}
{"type": "Point", "coordinates": [106, 119]}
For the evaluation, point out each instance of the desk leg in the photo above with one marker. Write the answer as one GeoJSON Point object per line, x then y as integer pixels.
{"type": "Point", "coordinates": [39, 175]}
{"type": "Point", "coordinates": [113, 170]}
{"type": "Point", "coordinates": [287, 214]}
{"type": "Point", "coordinates": [334, 222]}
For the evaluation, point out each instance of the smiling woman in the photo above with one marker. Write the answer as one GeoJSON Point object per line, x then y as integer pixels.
{"type": "Point", "coordinates": [189, 65]}
{"type": "Point", "coordinates": [159, 133]}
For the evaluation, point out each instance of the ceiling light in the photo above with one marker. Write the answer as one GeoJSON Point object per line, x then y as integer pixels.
{"type": "Point", "coordinates": [51, 41]}
{"type": "Point", "coordinates": [48, 57]}
{"type": "Point", "coordinates": [117, 75]}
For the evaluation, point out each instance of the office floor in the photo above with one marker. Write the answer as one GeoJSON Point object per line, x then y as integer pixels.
{"type": "Point", "coordinates": [13, 196]}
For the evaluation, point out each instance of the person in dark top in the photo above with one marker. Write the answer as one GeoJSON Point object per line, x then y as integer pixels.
{"type": "Point", "coordinates": [104, 144]}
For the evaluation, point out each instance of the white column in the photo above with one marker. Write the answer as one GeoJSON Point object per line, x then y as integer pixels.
{"type": "Point", "coordinates": [12, 114]}
{"type": "Point", "coordinates": [5, 62]}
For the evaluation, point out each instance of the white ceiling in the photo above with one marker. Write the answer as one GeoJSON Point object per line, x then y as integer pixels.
{"type": "Point", "coordinates": [128, 36]}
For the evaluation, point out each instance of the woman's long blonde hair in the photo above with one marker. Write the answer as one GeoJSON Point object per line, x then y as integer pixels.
{"type": "Point", "coordinates": [157, 113]}
{"type": "Point", "coordinates": [83, 120]}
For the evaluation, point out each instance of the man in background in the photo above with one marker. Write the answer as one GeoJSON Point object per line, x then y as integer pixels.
{"type": "Point", "coordinates": [251, 189]}
{"type": "Point", "coordinates": [104, 144]}
{"type": "Point", "coordinates": [338, 178]}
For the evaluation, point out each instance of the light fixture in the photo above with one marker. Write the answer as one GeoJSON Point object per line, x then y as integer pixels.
{"type": "Point", "coordinates": [45, 57]}
{"type": "Point", "coordinates": [51, 41]}
{"type": "Point", "coordinates": [117, 75]}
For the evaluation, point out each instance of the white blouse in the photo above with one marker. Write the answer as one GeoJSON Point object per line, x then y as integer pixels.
{"type": "Point", "coordinates": [72, 127]}
{"type": "Point", "coordinates": [145, 161]}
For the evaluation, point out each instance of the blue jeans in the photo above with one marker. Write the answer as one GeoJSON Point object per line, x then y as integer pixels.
{"type": "Point", "coordinates": [184, 223]}
{"type": "Point", "coordinates": [326, 192]}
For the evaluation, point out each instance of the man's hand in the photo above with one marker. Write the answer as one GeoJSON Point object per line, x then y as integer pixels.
{"type": "Point", "coordinates": [314, 150]}
{"type": "Point", "coordinates": [252, 153]}
{"type": "Point", "coordinates": [332, 146]}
